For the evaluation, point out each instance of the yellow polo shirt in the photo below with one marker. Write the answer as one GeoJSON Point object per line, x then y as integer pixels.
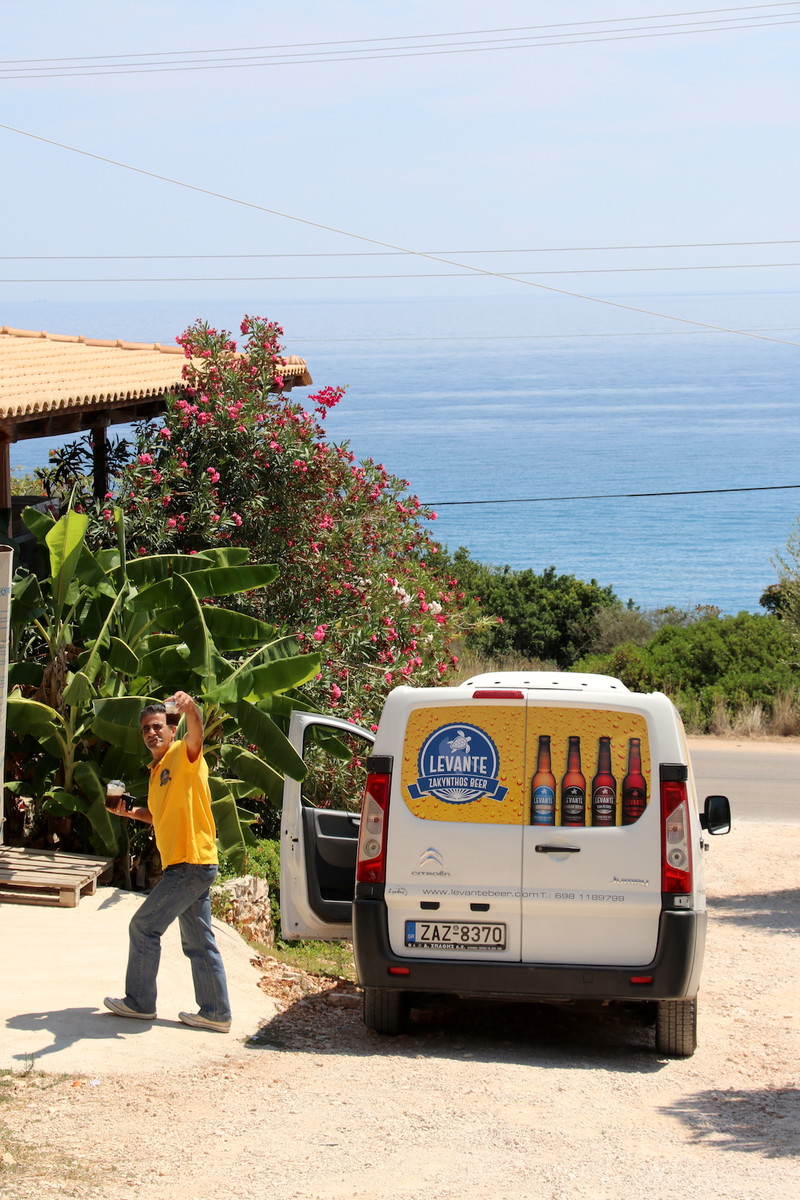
{"type": "Point", "coordinates": [180, 804]}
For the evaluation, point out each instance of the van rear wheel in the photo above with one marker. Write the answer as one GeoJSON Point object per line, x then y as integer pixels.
{"type": "Point", "coordinates": [676, 1028]}
{"type": "Point", "coordinates": [385, 1011]}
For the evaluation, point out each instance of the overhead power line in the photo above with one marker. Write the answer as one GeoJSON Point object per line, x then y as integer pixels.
{"type": "Point", "coordinates": [778, 487]}
{"type": "Point", "coordinates": [449, 262]}
{"type": "Point", "coordinates": [537, 337]}
{"type": "Point", "coordinates": [466, 274]}
{"type": "Point", "coordinates": [417, 37]}
{"type": "Point", "coordinates": [415, 46]}
{"type": "Point", "coordinates": [382, 253]}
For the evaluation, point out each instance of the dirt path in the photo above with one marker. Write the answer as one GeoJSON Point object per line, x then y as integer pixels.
{"type": "Point", "coordinates": [479, 1101]}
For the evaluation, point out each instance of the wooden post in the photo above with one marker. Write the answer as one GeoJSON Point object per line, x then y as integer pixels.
{"type": "Point", "coordinates": [6, 564]}
{"type": "Point", "coordinates": [5, 476]}
{"type": "Point", "coordinates": [100, 457]}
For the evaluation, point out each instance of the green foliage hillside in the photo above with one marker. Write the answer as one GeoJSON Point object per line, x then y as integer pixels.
{"type": "Point", "coordinates": [542, 617]}
{"type": "Point", "coordinates": [717, 660]}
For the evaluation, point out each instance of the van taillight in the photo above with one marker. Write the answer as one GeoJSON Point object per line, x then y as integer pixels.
{"type": "Point", "coordinates": [676, 867]}
{"type": "Point", "coordinates": [371, 863]}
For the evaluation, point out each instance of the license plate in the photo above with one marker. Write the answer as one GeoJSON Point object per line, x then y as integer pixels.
{"type": "Point", "coordinates": [455, 935]}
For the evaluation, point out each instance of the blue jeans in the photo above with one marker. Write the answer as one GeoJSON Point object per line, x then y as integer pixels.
{"type": "Point", "coordinates": [181, 892]}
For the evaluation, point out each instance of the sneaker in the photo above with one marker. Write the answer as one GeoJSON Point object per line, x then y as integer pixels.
{"type": "Point", "coordinates": [123, 1009]}
{"type": "Point", "coordinates": [200, 1021]}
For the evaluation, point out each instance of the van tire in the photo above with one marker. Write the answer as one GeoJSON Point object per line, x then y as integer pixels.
{"type": "Point", "coordinates": [676, 1028]}
{"type": "Point", "coordinates": [385, 1011]}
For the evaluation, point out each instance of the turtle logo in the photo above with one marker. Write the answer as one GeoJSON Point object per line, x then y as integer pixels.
{"type": "Point", "coordinates": [458, 764]}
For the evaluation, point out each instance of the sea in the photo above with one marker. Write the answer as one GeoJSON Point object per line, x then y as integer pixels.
{"type": "Point", "coordinates": [621, 440]}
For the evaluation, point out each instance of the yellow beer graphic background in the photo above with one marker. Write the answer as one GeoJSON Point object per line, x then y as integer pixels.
{"type": "Point", "coordinates": [515, 732]}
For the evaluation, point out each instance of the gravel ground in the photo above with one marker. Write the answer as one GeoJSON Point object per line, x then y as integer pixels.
{"type": "Point", "coordinates": [478, 1101]}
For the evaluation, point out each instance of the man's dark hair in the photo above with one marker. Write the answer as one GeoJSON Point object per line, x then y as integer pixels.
{"type": "Point", "coordinates": [151, 709]}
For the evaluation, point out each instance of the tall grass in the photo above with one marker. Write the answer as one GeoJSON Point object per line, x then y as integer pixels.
{"type": "Point", "coordinates": [471, 663]}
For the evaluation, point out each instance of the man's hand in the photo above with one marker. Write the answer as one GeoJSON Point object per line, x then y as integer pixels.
{"type": "Point", "coordinates": [139, 813]}
{"type": "Point", "coordinates": [194, 724]}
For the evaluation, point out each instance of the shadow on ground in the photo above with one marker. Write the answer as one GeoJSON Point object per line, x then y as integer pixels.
{"type": "Point", "coordinates": [763, 1121]}
{"type": "Point", "coordinates": [775, 912]}
{"type": "Point", "coordinates": [545, 1035]}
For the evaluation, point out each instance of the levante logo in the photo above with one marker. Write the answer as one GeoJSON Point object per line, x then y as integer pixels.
{"type": "Point", "coordinates": [458, 763]}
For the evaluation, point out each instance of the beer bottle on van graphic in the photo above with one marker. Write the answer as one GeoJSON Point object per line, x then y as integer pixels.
{"type": "Point", "coordinates": [634, 785]}
{"type": "Point", "coordinates": [573, 787]}
{"type": "Point", "coordinates": [604, 787]}
{"type": "Point", "coordinates": [543, 787]}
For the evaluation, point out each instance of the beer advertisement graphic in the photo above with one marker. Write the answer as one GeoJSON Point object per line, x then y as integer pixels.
{"type": "Point", "coordinates": [466, 763]}
{"type": "Point", "coordinates": [595, 761]}
{"type": "Point", "coordinates": [515, 765]}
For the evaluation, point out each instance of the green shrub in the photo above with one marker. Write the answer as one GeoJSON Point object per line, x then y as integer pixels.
{"type": "Point", "coordinates": [546, 618]}
{"type": "Point", "coordinates": [737, 661]}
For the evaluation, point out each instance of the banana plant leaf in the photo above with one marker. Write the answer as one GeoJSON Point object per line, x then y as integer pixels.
{"type": "Point", "coordinates": [234, 834]}
{"type": "Point", "coordinates": [229, 581]}
{"type": "Point", "coordinates": [117, 721]}
{"type": "Point", "coordinates": [152, 568]}
{"type": "Point", "coordinates": [117, 763]}
{"type": "Point", "coordinates": [238, 683]}
{"type": "Point", "coordinates": [261, 731]}
{"type": "Point", "coordinates": [254, 771]}
{"type": "Point", "coordinates": [104, 635]}
{"type": "Point", "coordinates": [330, 743]}
{"type": "Point", "coordinates": [25, 674]}
{"type": "Point", "coordinates": [65, 543]}
{"type": "Point", "coordinates": [90, 571]}
{"type": "Point", "coordinates": [284, 674]}
{"type": "Point", "coordinates": [105, 826]}
{"type": "Point", "coordinates": [26, 599]}
{"type": "Point", "coordinates": [39, 523]}
{"type": "Point", "coordinates": [236, 631]}
{"type": "Point", "coordinates": [213, 582]}
{"type": "Point", "coordinates": [59, 803]}
{"type": "Point", "coordinates": [187, 617]}
{"type": "Point", "coordinates": [79, 690]}
{"type": "Point", "coordinates": [120, 657]}
{"type": "Point", "coordinates": [105, 838]}
{"type": "Point", "coordinates": [165, 654]}
{"type": "Point", "coordinates": [41, 722]}
{"type": "Point", "coordinates": [223, 556]}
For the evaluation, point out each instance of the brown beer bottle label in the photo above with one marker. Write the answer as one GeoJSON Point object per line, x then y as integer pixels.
{"type": "Point", "coordinates": [573, 787]}
{"type": "Point", "coordinates": [604, 787]}
{"type": "Point", "coordinates": [543, 787]}
{"type": "Point", "coordinates": [634, 785]}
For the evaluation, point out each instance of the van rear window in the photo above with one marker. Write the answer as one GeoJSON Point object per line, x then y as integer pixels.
{"type": "Point", "coordinates": [517, 764]}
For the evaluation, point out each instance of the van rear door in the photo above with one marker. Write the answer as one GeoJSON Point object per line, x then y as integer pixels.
{"type": "Point", "coordinates": [454, 850]}
{"type": "Point", "coordinates": [591, 890]}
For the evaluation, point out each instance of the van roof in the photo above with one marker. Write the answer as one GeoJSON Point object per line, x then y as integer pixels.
{"type": "Point", "coordinates": [562, 681]}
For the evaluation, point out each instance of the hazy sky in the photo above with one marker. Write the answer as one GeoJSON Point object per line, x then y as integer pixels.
{"type": "Point", "coordinates": [650, 133]}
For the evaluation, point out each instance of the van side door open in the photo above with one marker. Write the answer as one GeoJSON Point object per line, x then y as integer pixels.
{"type": "Point", "coordinates": [319, 841]}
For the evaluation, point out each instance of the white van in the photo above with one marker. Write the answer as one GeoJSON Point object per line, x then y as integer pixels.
{"type": "Point", "coordinates": [528, 836]}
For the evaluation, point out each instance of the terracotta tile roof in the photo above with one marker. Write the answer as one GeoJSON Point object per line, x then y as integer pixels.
{"type": "Point", "coordinates": [46, 374]}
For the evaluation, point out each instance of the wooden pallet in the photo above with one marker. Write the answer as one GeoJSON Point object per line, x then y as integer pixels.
{"type": "Point", "coordinates": [47, 876]}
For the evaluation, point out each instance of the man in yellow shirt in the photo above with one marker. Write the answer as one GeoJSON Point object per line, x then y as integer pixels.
{"type": "Point", "coordinates": [179, 808]}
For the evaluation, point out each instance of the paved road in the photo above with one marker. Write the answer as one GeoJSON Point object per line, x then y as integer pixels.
{"type": "Point", "coordinates": [761, 779]}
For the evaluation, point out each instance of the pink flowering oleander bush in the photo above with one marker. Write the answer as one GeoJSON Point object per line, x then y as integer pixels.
{"type": "Point", "coordinates": [236, 461]}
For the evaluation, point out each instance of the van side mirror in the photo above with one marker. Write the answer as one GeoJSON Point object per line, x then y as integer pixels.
{"type": "Point", "coordinates": [716, 814]}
